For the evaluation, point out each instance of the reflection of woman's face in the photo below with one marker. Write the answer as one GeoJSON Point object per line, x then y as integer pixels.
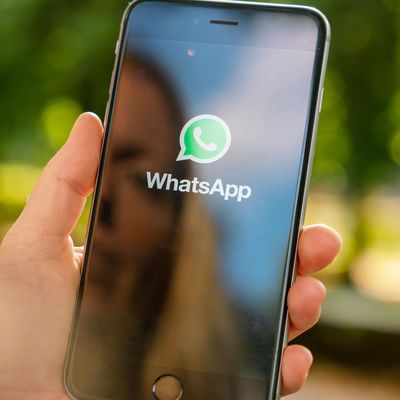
{"type": "Point", "coordinates": [134, 220]}
{"type": "Point", "coordinates": [134, 225]}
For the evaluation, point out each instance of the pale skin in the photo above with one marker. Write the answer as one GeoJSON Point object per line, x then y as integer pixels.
{"type": "Point", "coordinates": [40, 273]}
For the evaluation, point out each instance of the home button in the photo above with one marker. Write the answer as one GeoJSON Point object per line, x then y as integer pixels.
{"type": "Point", "coordinates": [167, 387]}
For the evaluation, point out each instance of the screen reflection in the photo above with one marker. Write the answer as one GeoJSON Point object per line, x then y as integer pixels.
{"type": "Point", "coordinates": [152, 270]}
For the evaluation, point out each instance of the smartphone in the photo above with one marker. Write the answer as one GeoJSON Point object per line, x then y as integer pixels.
{"type": "Point", "coordinates": [191, 246]}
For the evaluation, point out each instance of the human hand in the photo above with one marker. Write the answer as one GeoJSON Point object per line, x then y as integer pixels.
{"type": "Point", "coordinates": [40, 272]}
{"type": "Point", "coordinates": [318, 247]}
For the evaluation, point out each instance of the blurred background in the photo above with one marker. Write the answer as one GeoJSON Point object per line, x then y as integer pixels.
{"type": "Point", "coordinates": [56, 62]}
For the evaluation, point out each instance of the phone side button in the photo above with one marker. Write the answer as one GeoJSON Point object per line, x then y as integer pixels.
{"type": "Point", "coordinates": [112, 82]}
{"type": "Point", "coordinates": [116, 47]}
{"type": "Point", "coordinates": [106, 112]}
{"type": "Point", "coordinates": [321, 98]}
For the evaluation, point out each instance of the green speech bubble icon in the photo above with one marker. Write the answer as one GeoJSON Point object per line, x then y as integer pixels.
{"type": "Point", "coordinates": [204, 139]}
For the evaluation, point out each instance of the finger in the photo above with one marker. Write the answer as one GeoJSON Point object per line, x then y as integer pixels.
{"type": "Point", "coordinates": [79, 249]}
{"type": "Point", "coordinates": [296, 363]}
{"type": "Point", "coordinates": [304, 302]}
{"type": "Point", "coordinates": [78, 256]}
{"type": "Point", "coordinates": [318, 247]}
{"type": "Point", "coordinates": [60, 193]}
{"type": "Point", "coordinates": [78, 260]}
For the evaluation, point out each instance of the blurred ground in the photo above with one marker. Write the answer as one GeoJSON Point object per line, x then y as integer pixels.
{"type": "Point", "coordinates": [329, 382]}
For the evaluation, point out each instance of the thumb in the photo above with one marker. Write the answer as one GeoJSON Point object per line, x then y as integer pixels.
{"type": "Point", "coordinates": [59, 196]}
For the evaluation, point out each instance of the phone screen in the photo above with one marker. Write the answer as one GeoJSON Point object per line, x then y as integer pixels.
{"type": "Point", "coordinates": [187, 262]}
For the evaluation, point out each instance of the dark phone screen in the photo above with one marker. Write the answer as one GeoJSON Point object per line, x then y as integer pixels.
{"type": "Point", "coordinates": [189, 247]}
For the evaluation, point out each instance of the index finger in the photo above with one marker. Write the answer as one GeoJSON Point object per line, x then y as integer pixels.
{"type": "Point", "coordinates": [318, 247]}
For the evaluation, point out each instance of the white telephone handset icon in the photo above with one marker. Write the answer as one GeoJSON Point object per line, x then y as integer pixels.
{"type": "Point", "coordinates": [197, 137]}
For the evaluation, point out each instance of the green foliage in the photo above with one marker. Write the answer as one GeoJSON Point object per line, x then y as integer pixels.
{"type": "Point", "coordinates": [357, 146]}
{"type": "Point", "coordinates": [57, 59]}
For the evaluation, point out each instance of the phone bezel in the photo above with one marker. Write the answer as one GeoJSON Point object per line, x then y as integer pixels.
{"type": "Point", "coordinates": [302, 190]}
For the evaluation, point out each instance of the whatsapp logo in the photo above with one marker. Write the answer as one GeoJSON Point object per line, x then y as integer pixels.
{"type": "Point", "coordinates": [204, 139]}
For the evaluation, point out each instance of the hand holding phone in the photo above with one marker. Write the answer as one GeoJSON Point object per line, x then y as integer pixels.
{"type": "Point", "coordinates": [37, 298]}
{"type": "Point", "coordinates": [200, 197]}
{"type": "Point", "coordinates": [199, 200]}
